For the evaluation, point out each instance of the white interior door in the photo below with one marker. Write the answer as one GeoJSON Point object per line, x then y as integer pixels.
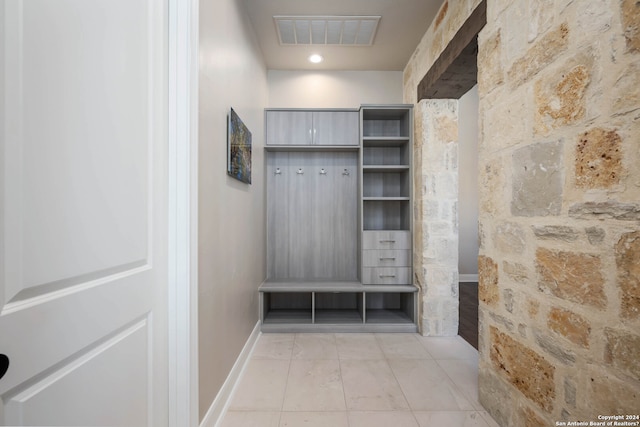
{"type": "Point", "coordinates": [83, 212]}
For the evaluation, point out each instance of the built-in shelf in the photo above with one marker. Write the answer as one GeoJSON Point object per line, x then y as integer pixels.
{"type": "Point", "coordinates": [368, 199]}
{"type": "Point", "coordinates": [385, 168]}
{"type": "Point", "coordinates": [386, 208]}
{"type": "Point", "coordinates": [311, 148]}
{"type": "Point", "coordinates": [384, 141]}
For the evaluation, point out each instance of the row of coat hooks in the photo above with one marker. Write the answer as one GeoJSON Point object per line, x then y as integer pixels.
{"type": "Point", "coordinates": [323, 171]}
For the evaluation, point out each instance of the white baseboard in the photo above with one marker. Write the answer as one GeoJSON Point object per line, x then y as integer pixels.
{"type": "Point", "coordinates": [218, 408]}
{"type": "Point", "coordinates": [467, 277]}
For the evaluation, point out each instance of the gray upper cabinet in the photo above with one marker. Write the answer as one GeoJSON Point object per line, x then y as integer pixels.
{"type": "Point", "coordinates": [289, 127]}
{"type": "Point", "coordinates": [312, 127]}
{"type": "Point", "coordinates": [336, 127]}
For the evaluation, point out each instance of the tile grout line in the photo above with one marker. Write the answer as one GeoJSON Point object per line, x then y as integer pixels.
{"type": "Point", "coordinates": [406, 399]}
{"type": "Point", "coordinates": [461, 390]}
{"type": "Point", "coordinates": [286, 384]}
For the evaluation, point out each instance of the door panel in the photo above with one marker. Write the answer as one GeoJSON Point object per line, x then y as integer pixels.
{"type": "Point", "coordinates": [289, 127]}
{"type": "Point", "coordinates": [336, 127]}
{"type": "Point", "coordinates": [47, 399]}
{"type": "Point", "coordinates": [83, 277]}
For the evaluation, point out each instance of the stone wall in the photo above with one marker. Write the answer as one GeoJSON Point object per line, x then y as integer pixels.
{"type": "Point", "coordinates": [559, 162]}
{"type": "Point", "coordinates": [436, 225]}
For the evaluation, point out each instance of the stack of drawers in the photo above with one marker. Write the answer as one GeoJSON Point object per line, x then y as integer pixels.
{"type": "Point", "coordinates": [386, 258]}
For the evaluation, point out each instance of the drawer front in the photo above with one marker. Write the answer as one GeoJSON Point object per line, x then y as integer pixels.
{"type": "Point", "coordinates": [383, 258]}
{"type": "Point", "coordinates": [386, 276]}
{"type": "Point", "coordinates": [386, 240]}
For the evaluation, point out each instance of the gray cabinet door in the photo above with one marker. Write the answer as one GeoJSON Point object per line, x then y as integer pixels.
{"type": "Point", "coordinates": [289, 127]}
{"type": "Point", "coordinates": [336, 127]}
{"type": "Point", "coordinates": [298, 127]}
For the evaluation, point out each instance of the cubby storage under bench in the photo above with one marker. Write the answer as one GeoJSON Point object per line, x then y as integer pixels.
{"type": "Point", "coordinates": [328, 306]}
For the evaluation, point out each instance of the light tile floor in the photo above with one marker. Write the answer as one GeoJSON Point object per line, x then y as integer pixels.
{"type": "Point", "coordinates": [358, 380]}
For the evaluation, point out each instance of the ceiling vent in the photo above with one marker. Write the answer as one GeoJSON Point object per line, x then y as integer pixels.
{"type": "Point", "coordinates": [327, 30]}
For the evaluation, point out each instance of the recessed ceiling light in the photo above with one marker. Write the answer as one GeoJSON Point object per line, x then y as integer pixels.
{"type": "Point", "coordinates": [315, 58]}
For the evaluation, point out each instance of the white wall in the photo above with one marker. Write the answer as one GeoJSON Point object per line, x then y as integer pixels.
{"type": "Point", "coordinates": [333, 89]}
{"type": "Point", "coordinates": [468, 182]}
{"type": "Point", "coordinates": [231, 214]}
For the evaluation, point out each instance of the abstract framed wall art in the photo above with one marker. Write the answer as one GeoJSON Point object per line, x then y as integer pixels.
{"type": "Point", "coordinates": [238, 149]}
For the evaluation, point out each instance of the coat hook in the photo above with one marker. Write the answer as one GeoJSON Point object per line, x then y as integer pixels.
{"type": "Point", "coordinates": [346, 172]}
{"type": "Point", "coordinates": [300, 171]}
{"type": "Point", "coordinates": [323, 171]}
{"type": "Point", "coordinates": [278, 172]}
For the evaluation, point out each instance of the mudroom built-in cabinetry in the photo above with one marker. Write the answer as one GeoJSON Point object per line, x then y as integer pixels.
{"type": "Point", "coordinates": [339, 231]}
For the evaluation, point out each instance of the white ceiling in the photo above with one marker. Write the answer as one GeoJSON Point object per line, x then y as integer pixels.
{"type": "Point", "coordinates": [401, 27]}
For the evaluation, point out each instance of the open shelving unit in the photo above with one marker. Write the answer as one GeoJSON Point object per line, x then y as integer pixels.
{"type": "Point", "coordinates": [386, 167]}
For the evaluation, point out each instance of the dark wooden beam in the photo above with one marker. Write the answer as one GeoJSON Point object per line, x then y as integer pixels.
{"type": "Point", "coordinates": [456, 69]}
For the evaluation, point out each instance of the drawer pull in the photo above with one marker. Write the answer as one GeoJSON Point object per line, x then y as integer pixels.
{"type": "Point", "coordinates": [390, 258]}
{"type": "Point", "coordinates": [387, 241]}
{"type": "Point", "coordinates": [385, 276]}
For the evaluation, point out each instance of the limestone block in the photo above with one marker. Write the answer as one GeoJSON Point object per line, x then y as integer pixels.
{"type": "Point", "coordinates": [440, 282]}
{"type": "Point", "coordinates": [630, 14]}
{"type": "Point", "coordinates": [516, 271]}
{"type": "Point", "coordinates": [441, 14]}
{"type": "Point", "coordinates": [440, 157]}
{"type": "Point", "coordinates": [441, 185]}
{"type": "Point", "coordinates": [522, 330]}
{"type": "Point", "coordinates": [446, 129]}
{"type": "Point", "coordinates": [570, 325]}
{"type": "Point", "coordinates": [555, 232]}
{"type": "Point", "coordinates": [507, 296]}
{"type": "Point", "coordinates": [440, 228]}
{"type": "Point", "coordinates": [606, 210]}
{"type": "Point", "coordinates": [501, 320]}
{"type": "Point", "coordinates": [543, 52]}
{"type": "Point", "coordinates": [431, 209]}
{"type": "Point", "coordinates": [495, 8]}
{"type": "Point", "coordinates": [496, 396]}
{"type": "Point", "coordinates": [488, 291]}
{"type": "Point", "coordinates": [509, 238]}
{"type": "Point", "coordinates": [492, 182]}
{"type": "Point", "coordinates": [490, 72]}
{"type": "Point", "coordinates": [560, 100]}
{"type": "Point", "coordinates": [440, 250]}
{"type": "Point", "coordinates": [570, 392]}
{"type": "Point", "coordinates": [533, 308]}
{"type": "Point", "coordinates": [606, 394]}
{"type": "Point", "coordinates": [514, 33]}
{"type": "Point", "coordinates": [525, 369]}
{"type": "Point", "coordinates": [622, 350]}
{"type": "Point", "coordinates": [628, 266]}
{"type": "Point", "coordinates": [505, 124]}
{"type": "Point", "coordinates": [595, 235]}
{"type": "Point", "coordinates": [553, 348]}
{"type": "Point", "coordinates": [540, 17]}
{"type": "Point", "coordinates": [626, 89]}
{"type": "Point", "coordinates": [537, 180]}
{"type": "Point", "coordinates": [439, 317]}
{"type": "Point", "coordinates": [598, 161]}
{"type": "Point", "coordinates": [593, 17]}
{"type": "Point", "coordinates": [572, 276]}
{"type": "Point", "coordinates": [530, 418]}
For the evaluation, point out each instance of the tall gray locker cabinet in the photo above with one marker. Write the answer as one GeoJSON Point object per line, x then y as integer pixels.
{"type": "Point", "coordinates": [339, 231]}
